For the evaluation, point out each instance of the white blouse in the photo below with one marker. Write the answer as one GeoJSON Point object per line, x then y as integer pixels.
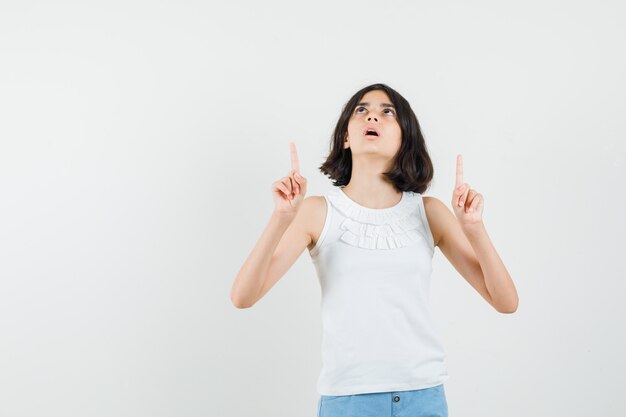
{"type": "Point", "coordinates": [374, 268]}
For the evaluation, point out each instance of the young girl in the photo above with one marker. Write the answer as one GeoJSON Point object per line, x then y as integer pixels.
{"type": "Point", "coordinates": [372, 240]}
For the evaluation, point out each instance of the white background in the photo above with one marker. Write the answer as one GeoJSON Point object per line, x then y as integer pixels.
{"type": "Point", "coordinates": [139, 141]}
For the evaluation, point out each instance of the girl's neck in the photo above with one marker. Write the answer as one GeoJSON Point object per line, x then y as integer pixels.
{"type": "Point", "coordinates": [376, 194]}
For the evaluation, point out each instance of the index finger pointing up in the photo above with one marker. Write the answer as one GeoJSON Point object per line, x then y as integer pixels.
{"type": "Point", "coordinates": [459, 170]}
{"type": "Point", "coordinates": [295, 165]}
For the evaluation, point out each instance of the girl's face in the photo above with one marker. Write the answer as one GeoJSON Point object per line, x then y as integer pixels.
{"type": "Point", "coordinates": [374, 111]}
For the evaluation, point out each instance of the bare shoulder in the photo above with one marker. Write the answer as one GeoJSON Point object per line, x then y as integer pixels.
{"type": "Point", "coordinates": [438, 215]}
{"type": "Point", "coordinates": [313, 216]}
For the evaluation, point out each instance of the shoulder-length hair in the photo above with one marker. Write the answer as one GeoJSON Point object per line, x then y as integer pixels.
{"type": "Point", "coordinates": [412, 169]}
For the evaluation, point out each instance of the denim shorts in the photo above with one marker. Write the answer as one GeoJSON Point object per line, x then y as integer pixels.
{"type": "Point", "coordinates": [426, 402]}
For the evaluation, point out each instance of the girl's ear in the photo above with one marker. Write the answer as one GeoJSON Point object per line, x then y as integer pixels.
{"type": "Point", "coordinates": [346, 144]}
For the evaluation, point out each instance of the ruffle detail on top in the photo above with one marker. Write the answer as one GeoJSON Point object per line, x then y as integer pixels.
{"type": "Point", "coordinates": [388, 228]}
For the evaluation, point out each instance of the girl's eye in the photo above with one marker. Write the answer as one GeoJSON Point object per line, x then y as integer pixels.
{"type": "Point", "coordinates": [389, 110]}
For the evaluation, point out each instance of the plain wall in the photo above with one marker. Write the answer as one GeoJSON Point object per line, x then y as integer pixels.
{"type": "Point", "coordinates": [138, 144]}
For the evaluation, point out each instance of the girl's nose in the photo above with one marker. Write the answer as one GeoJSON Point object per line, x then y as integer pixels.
{"type": "Point", "coordinates": [370, 118]}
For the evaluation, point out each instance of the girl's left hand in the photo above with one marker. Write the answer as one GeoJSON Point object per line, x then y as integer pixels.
{"type": "Point", "coordinates": [467, 203]}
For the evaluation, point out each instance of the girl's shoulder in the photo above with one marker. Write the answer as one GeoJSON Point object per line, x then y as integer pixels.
{"type": "Point", "coordinates": [437, 215]}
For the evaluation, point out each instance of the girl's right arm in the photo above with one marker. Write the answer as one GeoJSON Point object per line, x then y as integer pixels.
{"type": "Point", "coordinates": [285, 227]}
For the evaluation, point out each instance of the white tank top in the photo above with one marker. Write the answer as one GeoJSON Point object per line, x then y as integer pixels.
{"type": "Point", "coordinates": [374, 268]}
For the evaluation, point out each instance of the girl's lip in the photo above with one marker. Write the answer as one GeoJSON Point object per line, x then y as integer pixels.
{"type": "Point", "coordinates": [371, 128]}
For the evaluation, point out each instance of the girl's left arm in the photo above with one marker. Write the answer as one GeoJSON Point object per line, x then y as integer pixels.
{"type": "Point", "coordinates": [468, 208]}
{"type": "Point", "coordinates": [471, 253]}
{"type": "Point", "coordinates": [497, 278]}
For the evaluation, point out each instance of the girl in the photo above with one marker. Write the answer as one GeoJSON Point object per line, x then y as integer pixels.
{"type": "Point", "coordinates": [372, 240]}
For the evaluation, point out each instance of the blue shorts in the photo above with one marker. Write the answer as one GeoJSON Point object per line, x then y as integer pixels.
{"type": "Point", "coordinates": [426, 402]}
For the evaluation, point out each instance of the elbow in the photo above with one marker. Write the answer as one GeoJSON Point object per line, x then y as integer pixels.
{"type": "Point", "coordinates": [509, 309]}
{"type": "Point", "coordinates": [241, 305]}
{"type": "Point", "coordinates": [237, 302]}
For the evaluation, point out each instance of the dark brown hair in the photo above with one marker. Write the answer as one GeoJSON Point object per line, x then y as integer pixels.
{"type": "Point", "coordinates": [412, 170]}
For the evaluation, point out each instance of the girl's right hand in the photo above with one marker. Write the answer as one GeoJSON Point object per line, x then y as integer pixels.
{"type": "Point", "coordinates": [288, 192]}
